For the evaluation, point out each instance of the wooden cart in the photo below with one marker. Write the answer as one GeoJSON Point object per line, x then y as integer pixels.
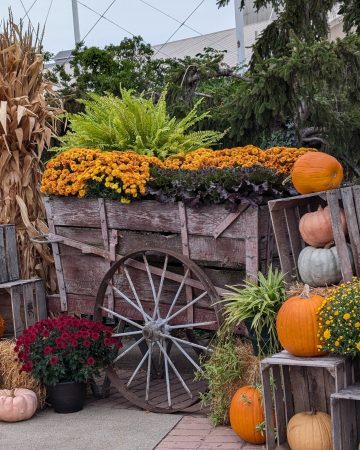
{"type": "Point", "coordinates": [160, 271]}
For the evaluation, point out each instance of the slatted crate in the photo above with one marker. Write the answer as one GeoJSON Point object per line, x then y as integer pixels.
{"type": "Point", "coordinates": [285, 216]}
{"type": "Point", "coordinates": [293, 385]}
{"type": "Point", "coordinates": [345, 412]}
{"type": "Point", "coordinates": [9, 267]}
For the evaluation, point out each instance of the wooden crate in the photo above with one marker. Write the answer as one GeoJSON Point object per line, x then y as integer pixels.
{"type": "Point", "coordinates": [285, 216]}
{"type": "Point", "coordinates": [91, 232]}
{"type": "Point", "coordinates": [345, 412]}
{"type": "Point", "coordinates": [299, 384]}
{"type": "Point", "coordinates": [9, 268]}
{"type": "Point", "coordinates": [22, 303]}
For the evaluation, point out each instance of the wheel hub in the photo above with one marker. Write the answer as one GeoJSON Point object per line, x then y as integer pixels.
{"type": "Point", "coordinates": [151, 331]}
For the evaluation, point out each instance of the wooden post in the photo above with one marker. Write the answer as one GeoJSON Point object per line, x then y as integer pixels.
{"type": "Point", "coordinates": [186, 252]}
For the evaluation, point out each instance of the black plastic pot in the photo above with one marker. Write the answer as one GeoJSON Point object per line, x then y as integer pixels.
{"type": "Point", "coordinates": [67, 397]}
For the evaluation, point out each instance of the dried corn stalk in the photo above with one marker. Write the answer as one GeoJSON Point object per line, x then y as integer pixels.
{"type": "Point", "coordinates": [27, 123]}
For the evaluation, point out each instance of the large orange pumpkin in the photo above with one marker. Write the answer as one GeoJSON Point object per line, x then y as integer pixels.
{"type": "Point", "coordinates": [247, 414]}
{"type": "Point", "coordinates": [315, 227]}
{"type": "Point", "coordinates": [297, 325]}
{"type": "Point", "coordinates": [316, 172]}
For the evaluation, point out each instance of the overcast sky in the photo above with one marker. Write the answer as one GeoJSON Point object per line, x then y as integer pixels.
{"type": "Point", "coordinates": [133, 15]}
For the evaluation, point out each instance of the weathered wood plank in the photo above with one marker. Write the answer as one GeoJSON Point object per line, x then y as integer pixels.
{"type": "Point", "coordinates": [352, 224]}
{"type": "Point", "coordinates": [289, 403]}
{"type": "Point", "coordinates": [29, 304]}
{"type": "Point", "coordinates": [4, 276]}
{"type": "Point", "coordinates": [282, 242]}
{"type": "Point", "coordinates": [40, 300]}
{"type": "Point", "coordinates": [300, 389]}
{"type": "Point", "coordinates": [268, 407]}
{"type": "Point", "coordinates": [292, 223]}
{"type": "Point", "coordinates": [11, 252]}
{"type": "Point", "coordinates": [229, 220]}
{"type": "Point", "coordinates": [336, 424]}
{"type": "Point", "coordinates": [50, 209]}
{"type": "Point", "coordinates": [16, 293]}
{"type": "Point", "coordinates": [318, 361]}
{"type": "Point", "coordinates": [252, 262]}
{"type": "Point", "coordinates": [339, 237]}
{"type": "Point", "coordinates": [317, 393]}
{"type": "Point", "coordinates": [279, 405]}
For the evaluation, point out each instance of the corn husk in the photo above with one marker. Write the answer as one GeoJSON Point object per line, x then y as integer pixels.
{"type": "Point", "coordinates": [12, 378]}
{"type": "Point", "coordinates": [27, 124]}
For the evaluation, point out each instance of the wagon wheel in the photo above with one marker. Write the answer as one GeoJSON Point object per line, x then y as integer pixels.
{"type": "Point", "coordinates": [155, 293]}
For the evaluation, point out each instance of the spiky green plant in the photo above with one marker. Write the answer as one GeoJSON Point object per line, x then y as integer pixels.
{"type": "Point", "coordinates": [259, 303]}
{"type": "Point", "coordinates": [136, 123]}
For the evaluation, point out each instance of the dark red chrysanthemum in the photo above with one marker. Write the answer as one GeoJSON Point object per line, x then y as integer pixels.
{"type": "Point", "coordinates": [90, 360]}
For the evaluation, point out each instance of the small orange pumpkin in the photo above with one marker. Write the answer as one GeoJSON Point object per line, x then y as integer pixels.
{"type": "Point", "coordinates": [316, 229]}
{"type": "Point", "coordinates": [247, 414]}
{"type": "Point", "coordinates": [297, 325]}
{"type": "Point", "coordinates": [316, 172]}
{"type": "Point", "coordinates": [310, 430]}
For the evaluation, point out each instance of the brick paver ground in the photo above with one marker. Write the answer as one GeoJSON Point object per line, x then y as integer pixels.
{"type": "Point", "coordinates": [196, 432]}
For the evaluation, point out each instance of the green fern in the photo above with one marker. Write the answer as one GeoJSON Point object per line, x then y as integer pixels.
{"type": "Point", "coordinates": [136, 123]}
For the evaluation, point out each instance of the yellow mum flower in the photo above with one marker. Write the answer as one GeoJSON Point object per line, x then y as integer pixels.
{"type": "Point", "coordinates": [327, 333]}
{"type": "Point", "coordinates": [346, 316]}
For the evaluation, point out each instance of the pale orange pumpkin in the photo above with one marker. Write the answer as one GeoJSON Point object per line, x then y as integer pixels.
{"type": "Point", "coordinates": [316, 172]}
{"type": "Point", "coordinates": [315, 227]}
{"type": "Point", "coordinates": [17, 404]}
{"type": "Point", "coordinates": [247, 415]}
{"type": "Point", "coordinates": [297, 325]}
{"type": "Point", "coordinates": [310, 431]}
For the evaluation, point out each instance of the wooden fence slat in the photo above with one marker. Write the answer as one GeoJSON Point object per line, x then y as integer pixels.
{"type": "Point", "coordinates": [29, 305]}
{"type": "Point", "coordinates": [11, 252]}
{"type": "Point", "coordinates": [352, 224]}
{"type": "Point", "coordinates": [339, 237]}
{"type": "Point", "coordinates": [3, 266]}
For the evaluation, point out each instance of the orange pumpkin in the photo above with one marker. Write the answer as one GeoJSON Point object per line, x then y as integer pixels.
{"type": "Point", "coordinates": [297, 325]}
{"type": "Point", "coordinates": [247, 414]}
{"type": "Point", "coordinates": [316, 172]}
{"type": "Point", "coordinates": [315, 227]}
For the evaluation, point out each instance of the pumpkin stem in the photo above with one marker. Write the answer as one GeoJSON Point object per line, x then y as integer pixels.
{"type": "Point", "coordinates": [306, 292]}
{"type": "Point", "coordinates": [329, 245]}
{"type": "Point", "coordinates": [287, 179]}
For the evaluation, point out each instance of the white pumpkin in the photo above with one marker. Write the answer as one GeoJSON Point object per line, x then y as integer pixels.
{"type": "Point", "coordinates": [17, 404]}
{"type": "Point", "coordinates": [321, 266]}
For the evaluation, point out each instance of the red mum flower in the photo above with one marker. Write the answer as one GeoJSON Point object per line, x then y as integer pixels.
{"type": "Point", "coordinates": [53, 360]}
{"type": "Point", "coordinates": [45, 333]}
{"type": "Point", "coordinates": [108, 341]}
{"type": "Point", "coordinates": [48, 350]}
{"type": "Point", "coordinates": [86, 343]}
{"type": "Point", "coordinates": [90, 360]}
{"type": "Point", "coordinates": [74, 343]}
{"type": "Point", "coordinates": [95, 335]}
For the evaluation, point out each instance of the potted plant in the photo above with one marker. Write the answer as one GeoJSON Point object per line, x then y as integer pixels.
{"type": "Point", "coordinates": [64, 353]}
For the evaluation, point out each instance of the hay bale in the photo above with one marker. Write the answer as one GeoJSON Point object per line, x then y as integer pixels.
{"type": "Point", "coordinates": [10, 375]}
{"type": "Point", "coordinates": [297, 287]}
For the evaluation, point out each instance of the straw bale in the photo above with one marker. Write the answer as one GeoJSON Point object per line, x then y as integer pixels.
{"type": "Point", "coordinates": [10, 375]}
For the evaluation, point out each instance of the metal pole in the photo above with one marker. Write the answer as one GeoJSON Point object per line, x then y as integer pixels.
{"type": "Point", "coordinates": [240, 38]}
{"type": "Point", "coordinates": [76, 21]}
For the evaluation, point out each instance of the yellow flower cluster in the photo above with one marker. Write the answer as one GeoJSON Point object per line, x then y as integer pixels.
{"type": "Point", "coordinates": [124, 173]}
{"type": "Point", "coordinates": [339, 320]}
{"type": "Point", "coordinates": [280, 159]}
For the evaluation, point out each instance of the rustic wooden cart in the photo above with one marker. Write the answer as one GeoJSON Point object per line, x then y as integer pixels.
{"type": "Point", "coordinates": [159, 270]}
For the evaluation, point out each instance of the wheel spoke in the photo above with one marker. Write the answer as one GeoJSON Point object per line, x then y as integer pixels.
{"type": "Point", "coordinates": [127, 333]}
{"type": "Point", "coordinates": [145, 315]}
{"type": "Point", "coordinates": [150, 277]}
{"type": "Point", "coordinates": [166, 364]}
{"type": "Point", "coordinates": [186, 306]}
{"type": "Point", "coordinates": [138, 368]}
{"type": "Point", "coordinates": [119, 316]}
{"type": "Point", "coordinates": [126, 298]}
{"type": "Point", "coordinates": [185, 386]}
{"type": "Point", "coordinates": [178, 292]}
{"type": "Point", "coordinates": [187, 356]}
{"type": "Point", "coordinates": [157, 300]}
{"type": "Point", "coordinates": [122, 354]}
{"type": "Point", "coordinates": [147, 389]}
{"type": "Point", "coordinates": [182, 341]}
{"type": "Point", "coordinates": [190, 325]}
